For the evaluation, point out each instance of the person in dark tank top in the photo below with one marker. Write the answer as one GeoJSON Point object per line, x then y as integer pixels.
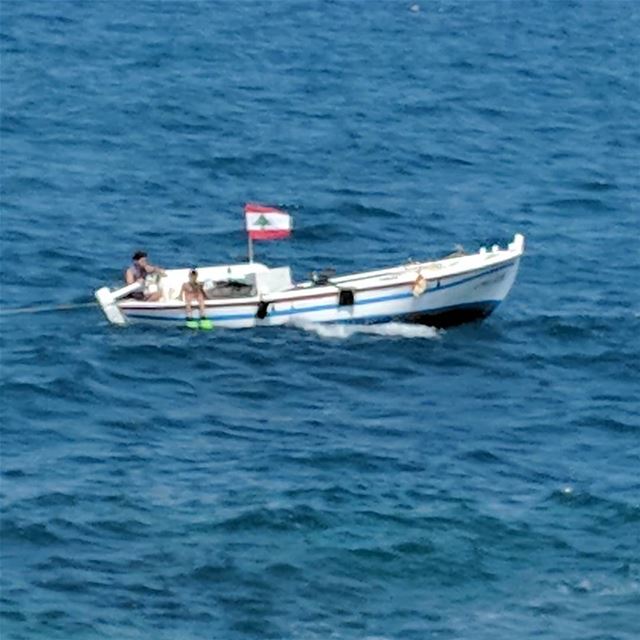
{"type": "Point", "coordinates": [138, 271]}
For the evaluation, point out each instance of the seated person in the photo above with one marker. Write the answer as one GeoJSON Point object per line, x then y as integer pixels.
{"type": "Point", "coordinates": [138, 271]}
{"type": "Point", "coordinates": [192, 292]}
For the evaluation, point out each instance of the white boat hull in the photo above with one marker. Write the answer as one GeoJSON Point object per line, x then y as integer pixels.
{"type": "Point", "coordinates": [457, 290]}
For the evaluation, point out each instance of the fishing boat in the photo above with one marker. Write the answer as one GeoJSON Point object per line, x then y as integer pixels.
{"type": "Point", "coordinates": [455, 289]}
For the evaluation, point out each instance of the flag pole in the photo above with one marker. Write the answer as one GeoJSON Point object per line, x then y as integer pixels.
{"type": "Point", "coordinates": [250, 248]}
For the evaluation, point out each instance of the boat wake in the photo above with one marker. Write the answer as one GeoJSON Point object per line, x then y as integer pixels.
{"type": "Point", "coordinates": [390, 329]}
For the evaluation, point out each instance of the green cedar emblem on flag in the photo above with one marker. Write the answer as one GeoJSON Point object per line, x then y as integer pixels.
{"type": "Point", "coordinates": [262, 222]}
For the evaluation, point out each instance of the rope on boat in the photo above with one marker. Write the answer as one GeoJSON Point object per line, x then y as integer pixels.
{"type": "Point", "coordinates": [43, 308]}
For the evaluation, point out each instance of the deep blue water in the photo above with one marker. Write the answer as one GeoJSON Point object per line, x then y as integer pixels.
{"type": "Point", "coordinates": [481, 482]}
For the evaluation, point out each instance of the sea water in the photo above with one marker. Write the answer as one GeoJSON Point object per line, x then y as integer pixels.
{"type": "Point", "coordinates": [392, 482]}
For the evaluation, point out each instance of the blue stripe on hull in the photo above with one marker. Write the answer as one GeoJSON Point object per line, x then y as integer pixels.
{"type": "Point", "coordinates": [441, 317]}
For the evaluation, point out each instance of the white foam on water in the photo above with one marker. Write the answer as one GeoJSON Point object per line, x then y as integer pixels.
{"type": "Point", "coordinates": [391, 329]}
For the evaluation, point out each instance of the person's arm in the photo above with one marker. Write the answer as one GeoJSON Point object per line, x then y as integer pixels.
{"type": "Point", "coordinates": [128, 276]}
{"type": "Point", "coordinates": [159, 270]}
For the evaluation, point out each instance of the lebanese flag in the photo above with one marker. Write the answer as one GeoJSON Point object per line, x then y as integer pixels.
{"type": "Point", "coordinates": [266, 223]}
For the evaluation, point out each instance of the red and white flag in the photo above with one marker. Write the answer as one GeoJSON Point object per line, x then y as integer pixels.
{"type": "Point", "coordinates": [266, 223]}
